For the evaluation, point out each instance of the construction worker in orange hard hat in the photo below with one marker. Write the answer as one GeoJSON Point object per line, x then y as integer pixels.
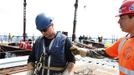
{"type": "Point", "coordinates": [123, 49]}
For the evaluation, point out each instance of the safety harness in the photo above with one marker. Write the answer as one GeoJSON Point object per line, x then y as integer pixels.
{"type": "Point", "coordinates": [40, 64]}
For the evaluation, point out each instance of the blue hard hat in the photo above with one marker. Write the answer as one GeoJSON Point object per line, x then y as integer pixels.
{"type": "Point", "coordinates": [42, 21]}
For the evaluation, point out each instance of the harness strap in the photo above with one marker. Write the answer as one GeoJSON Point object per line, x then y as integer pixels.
{"type": "Point", "coordinates": [49, 58]}
{"type": "Point", "coordinates": [54, 68]}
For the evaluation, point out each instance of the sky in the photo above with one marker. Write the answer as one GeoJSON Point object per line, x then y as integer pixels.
{"type": "Point", "coordinates": [94, 17]}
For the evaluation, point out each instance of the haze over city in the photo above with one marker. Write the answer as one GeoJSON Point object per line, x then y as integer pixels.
{"type": "Point", "coordinates": [94, 17]}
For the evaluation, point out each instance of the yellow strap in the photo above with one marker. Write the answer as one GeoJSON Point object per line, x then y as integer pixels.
{"type": "Point", "coordinates": [54, 68]}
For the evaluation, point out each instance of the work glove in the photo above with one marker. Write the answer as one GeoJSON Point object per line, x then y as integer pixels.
{"type": "Point", "coordinates": [82, 51]}
{"type": "Point", "coordinates": [29, 72]}
{"type": "Point", "coordinates": [30, 68]}
{"type": "Point", "coordinates": [97, 53]}
{"type": "Point", "coordinates": [79, 51]}
{"type": "Point", "coordinates": [67, 73]}
{"type": "Point", "coordinates": [74, 50]}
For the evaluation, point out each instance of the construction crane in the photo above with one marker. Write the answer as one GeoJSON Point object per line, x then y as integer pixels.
{"type": "Point", "coordinates": [24, 21]}
{"type": "Point", "coordinates": [74, 22]}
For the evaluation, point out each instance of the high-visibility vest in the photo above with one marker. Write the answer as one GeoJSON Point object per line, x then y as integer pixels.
{"type": "Point", "coordinates": [124, 50]}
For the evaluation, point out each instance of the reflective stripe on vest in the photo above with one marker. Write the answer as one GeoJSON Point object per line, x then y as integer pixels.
{"type": "Point", "coordinates": [121, 44]}
{"type": "Point", "coordinates": [126, 71]}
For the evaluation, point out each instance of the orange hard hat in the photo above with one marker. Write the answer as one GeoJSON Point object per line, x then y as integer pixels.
{"type": "Point", "coordinates": [126, 8]}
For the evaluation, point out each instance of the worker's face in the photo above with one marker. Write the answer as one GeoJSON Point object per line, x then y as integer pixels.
{"type": "Point", "coordinates": [126, 23]}
{"type": "Point", "coordinates": [49, 33]}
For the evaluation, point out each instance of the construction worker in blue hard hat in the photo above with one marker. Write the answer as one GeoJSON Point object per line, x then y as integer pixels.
{"type": "Point", "coordinates": [51, 54]}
